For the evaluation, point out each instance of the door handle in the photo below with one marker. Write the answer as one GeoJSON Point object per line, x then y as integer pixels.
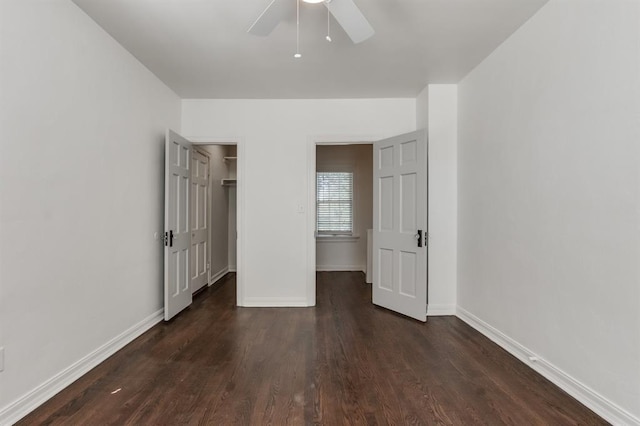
{"type": "Point", "coordinates": [170, 238]}
{"type": "Point", "coordinates": [419, 237]}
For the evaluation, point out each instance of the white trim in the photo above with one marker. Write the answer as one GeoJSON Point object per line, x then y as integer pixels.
{"type": "Point", "coordinates": [219, 275]}
{"type": "Point", "coordinates": [275, 302]}
{"type": "Point", "coordinates": [232, 268]}
{"type": "Point", "coordinates": [336, 238]}
{"type": "Point", "coordinates": [311, 222]}
{"type": "Point", "coordinates": [584, 394]}
{"type": "Point", "coordinates": [40, 394]}
{"type": "Point", "coordinates": [344, 139]}
{"type": "Point", "coordinates": [343, 268]}
{"type": "Point", "coordinates": [230, 140]}
{"type": "Point", "coordinates": [440, 310]}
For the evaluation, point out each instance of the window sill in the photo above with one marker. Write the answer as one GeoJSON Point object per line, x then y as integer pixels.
{"type": "Point", "coordinates": [336, 238]}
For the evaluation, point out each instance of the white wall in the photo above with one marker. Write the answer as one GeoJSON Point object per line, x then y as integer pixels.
{"type": "Point", "coordinates": [443, 198]}
{"type": "Point", "coordinates": [81, 194]}
{"type": "Point", "coordinates": [422, 109]}
{"type": "Point", "coordinates": [218, 210]}
{"type": "Point", "coordinates": [349, 255]}
{"type": "Point", "coordinates": [277, 136]}
{"type": "Point", "coordinates": [549, 198]}
{"type": "Point", "coordinates": [437, 111]}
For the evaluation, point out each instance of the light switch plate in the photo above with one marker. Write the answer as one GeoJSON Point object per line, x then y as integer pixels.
{"type": "Point", "coordinates": [2, 359]}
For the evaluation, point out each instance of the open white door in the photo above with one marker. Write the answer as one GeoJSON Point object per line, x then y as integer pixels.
{"type": "Point", "coordinates": [400, 224]}
{"type": "Point", "coordinates": [199, 217]}
{"type": "Point", "coordinates": [177, 238]}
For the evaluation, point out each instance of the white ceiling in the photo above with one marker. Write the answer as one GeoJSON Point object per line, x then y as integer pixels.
{"type": "Point", "coordinates": [200, 48]}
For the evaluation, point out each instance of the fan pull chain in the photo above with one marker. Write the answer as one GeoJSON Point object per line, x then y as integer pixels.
{"type": "Point", "coordinates": [328, 37]}
{"type": "Point", "coordinates": [297, 54]}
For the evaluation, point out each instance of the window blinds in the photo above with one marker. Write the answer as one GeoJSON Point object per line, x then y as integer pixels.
{"type": "Point", "coordinates": [334, 202]}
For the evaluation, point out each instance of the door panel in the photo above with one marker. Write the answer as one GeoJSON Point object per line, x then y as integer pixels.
{"type": "Point", "coordinates": [408, 266]}
{"type": "Point", "coordinates": [400, 210]}
{"type": "Point", "coordinates": [386, 203]}
{"type": "Point", "coordinates": [177, 291]}
{"type": "Point", "coordinates": [385, 269]}
{"type": "Point", "coordinates": [408, 208]}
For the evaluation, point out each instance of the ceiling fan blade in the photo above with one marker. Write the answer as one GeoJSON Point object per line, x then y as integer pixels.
{"type": "Point", "coordinates": [350, 19]}
{"type": "Point", "coordinates": [269, 19]}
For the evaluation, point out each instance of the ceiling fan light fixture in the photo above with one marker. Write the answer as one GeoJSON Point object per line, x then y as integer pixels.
{"type": "Point", "coordinates": [297, 55]}
{"type": "Point", "coordinates": [345, 12]}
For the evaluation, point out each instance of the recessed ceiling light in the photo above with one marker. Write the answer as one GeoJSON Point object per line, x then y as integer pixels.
{"type": "Point", "coordinates": [313, 1]}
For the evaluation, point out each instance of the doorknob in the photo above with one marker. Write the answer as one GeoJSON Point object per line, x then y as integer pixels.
{"type": "Point", "coordinates": [419, 237]}
{"type": "Point", "coordinates": [167, 238]}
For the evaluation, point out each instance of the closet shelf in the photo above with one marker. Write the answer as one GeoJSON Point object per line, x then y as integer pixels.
{"type": "Point", "coordinates": [228, 182]}
{"type": "Point", "coordinates": [227, 159]}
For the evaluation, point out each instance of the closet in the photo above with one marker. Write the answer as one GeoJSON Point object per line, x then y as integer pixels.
{"type": "Point", "coordinates": [222, 209]}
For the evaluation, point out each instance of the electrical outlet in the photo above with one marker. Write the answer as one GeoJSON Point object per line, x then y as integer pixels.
{"type": "Point", "coordinates": [2, 359]}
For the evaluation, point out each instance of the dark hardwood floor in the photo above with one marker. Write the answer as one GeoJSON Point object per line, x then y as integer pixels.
{"type": "Point", "coordinates": [342, 362]}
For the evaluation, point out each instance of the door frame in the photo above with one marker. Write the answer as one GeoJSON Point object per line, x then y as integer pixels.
{"type": "Point", "coordinates": [312, 143]}
{"type": "Point", "coordinates": [238, 141]}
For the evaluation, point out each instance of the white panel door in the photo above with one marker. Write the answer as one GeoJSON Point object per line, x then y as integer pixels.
{"type": "Point", "coordinates": [199, 228]}
{"type": "Point", "coordinates": [400, 224]}
{"type": "Point", "coordinates": [177, 288]}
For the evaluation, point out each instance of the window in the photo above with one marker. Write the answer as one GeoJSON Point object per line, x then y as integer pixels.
{"type": "Point", "coordinates": [334, 203]}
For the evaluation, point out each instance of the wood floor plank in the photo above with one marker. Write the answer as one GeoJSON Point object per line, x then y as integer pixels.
{"type": "Point", "coordinates": [343, 362]}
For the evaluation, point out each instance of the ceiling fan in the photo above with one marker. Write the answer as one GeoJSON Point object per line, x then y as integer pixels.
{"type": "Point", "coordinates": [345, 12]}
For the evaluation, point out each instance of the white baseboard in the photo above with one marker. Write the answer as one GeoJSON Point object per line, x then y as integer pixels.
{"type": "Point", "coordinates": [274, 302]}
{"type": "Point", "coordinates": [341, 268]}
{"type": "Point", "coordinates": [218, 275]}
{"type": "Point", "coordinates": [440, 310]}
{"type": "Point", "coordinates": [232, 268]}
{"type": "Point", "coordinates": [39, 395]}
{"type": "Point", "coordinates": [600, 405]}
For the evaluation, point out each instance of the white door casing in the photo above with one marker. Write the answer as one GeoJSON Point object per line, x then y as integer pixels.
{"type": "Point", "coordinates": [399, 212]}
{"type": "Point", "coordinates": [177, 289]}
{"type": "Point", "coordinates": [199, 220]}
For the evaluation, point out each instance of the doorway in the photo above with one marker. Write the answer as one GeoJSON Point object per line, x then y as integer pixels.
{"type": "Point", "coordinates": [219, 255]}
{"type": "Point", "coordinates": [398, 254]}
{"type": "Point", "coordinates": [344, 206]}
